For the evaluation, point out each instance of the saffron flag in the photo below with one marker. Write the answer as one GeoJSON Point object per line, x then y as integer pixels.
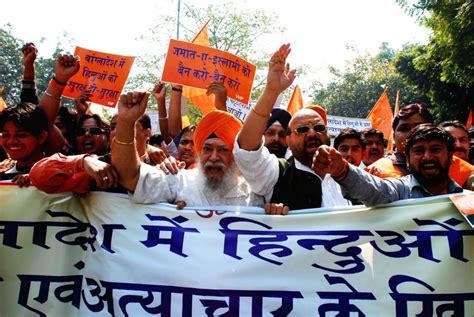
{"type": "Point", "coordinates": [381, 115]}
{"type": "Point", "coordinates": [391, 141]}
{"type": "Point", "coordinates": [296, 101]}
{"type": "Point", "coordinates": [198, 96]}
{"type": "Point", "coordinates": [469, 120]}
{"type": "Point", "coordinates": [185, 122]}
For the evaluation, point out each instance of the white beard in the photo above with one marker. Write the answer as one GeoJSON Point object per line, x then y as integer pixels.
{"type": "Point", "coordinates": [216, 189]}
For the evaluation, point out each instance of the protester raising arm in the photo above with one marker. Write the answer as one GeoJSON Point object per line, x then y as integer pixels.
{"type": "Point", "coordinates": [175, 121]}
{"type": "Point", "coordinates": [125, 158]}
{"type": "Point", "coordinates": [220, 94]}
{"type": "Point", "coordinates": [279, 78]}
{"type": "Point", "coordinates": [66, 67]}
{"type": "Point", "coordinates": [28, 85]}
{"type": "Point", "coordinates": [82, 103]}
{"type": "Point", "coordinates": [159, 92]}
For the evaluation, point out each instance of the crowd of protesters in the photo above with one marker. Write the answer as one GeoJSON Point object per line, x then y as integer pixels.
{"type": "Point", "coordinates": [272, 160]}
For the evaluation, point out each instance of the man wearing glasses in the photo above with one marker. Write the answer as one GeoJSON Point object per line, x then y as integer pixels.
{"type": "Point", "coordinates": [291, 182]}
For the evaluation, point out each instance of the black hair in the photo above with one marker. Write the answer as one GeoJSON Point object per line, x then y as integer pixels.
{"type": "Point", "coordinates": [370, 132]}
{"type": "Point", "coordinates": [411, 109]}
{"type": "Point", "coordinates": [101, 122]}
{"type": "Point", "coordinates": [145, 121]}
{"type": "Point", "coordinates": [156, 139]}
{"type": "Point", "coordinates": [27, 116]}
{"type": "Point", "coordinates": [428, 132]}
{"type": "Point", "coordinates": [348, 133]}
{"type": "Point", "coordinates": [454, 123]}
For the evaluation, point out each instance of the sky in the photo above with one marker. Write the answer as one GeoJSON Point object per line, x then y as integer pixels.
{"type": "Point", "coordinates": [319, 30]}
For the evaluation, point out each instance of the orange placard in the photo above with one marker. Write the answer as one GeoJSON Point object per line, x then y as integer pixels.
{"type": "Point", "coordinates": [465, 204]}
{"type": "Point", "coordinates": [102, 73]}
{"type": "Point", "coordinates": [197, 66]}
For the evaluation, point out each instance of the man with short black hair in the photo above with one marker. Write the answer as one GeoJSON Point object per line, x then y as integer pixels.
{"type": "Point", "coordinates": [395, 165]}
{"type": "Point", "coordinates": [428, 150]}
{"type": "Point", "coordinates": [460, 135]}
{"type": "Point", "coordinates": [24, 130]}
{"type": "Point", "coordinates": [350, 144]}
{"type": "Point", "coordinates": [374, 146]}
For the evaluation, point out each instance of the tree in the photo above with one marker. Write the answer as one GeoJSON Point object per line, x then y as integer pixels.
{"type": "Point", "coordinates": [11, 67]}
{"type": "Point", "coordinates": [452, 42]}
{"type": "Point", "coordinates": [354, 90]}
{"type": "Point", "coordinates": [444, 68]}
{"type": "Point", "coordinates": [448, 101]}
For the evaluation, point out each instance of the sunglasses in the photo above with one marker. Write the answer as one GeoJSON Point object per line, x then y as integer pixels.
{"type": "Point", "coordinates": [305, 128]}
{"type": "Point", "coordinates": [93, 131]}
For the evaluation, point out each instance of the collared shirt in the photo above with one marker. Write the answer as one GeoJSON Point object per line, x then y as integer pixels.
{"type": "Point", "coordinates": [155, 186]}
{"type": "Point", "coordinates": [372, 190]}
{"type": "Point", "coordinates": [261, 170]}
{"type": "Point", "coordinates": [172, 149]}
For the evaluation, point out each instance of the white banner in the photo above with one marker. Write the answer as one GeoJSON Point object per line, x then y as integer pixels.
{"type": "Point", "coordinates": [106, 256]}
{"type": "Point", "coordinates": [336, 124]}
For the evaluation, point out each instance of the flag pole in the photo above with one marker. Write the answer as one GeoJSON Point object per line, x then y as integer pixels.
{"type": "Point", "coordinates": [177, 22]}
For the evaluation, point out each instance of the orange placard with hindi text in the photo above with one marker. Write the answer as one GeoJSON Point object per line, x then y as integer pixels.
{"type": "Point", "coordinates": [102, 73]}
{"type": "Point", "coordinates": [197, 66]}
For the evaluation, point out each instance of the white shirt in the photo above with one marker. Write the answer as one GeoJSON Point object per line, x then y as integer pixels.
{"type": "Point", "coordinates": [155, 186]}
{"type": "Point", "coordinates": [261, 170]}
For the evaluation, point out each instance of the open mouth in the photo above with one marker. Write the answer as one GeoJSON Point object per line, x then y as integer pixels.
{"type": "Point", "coordinates": [89, 144]}
{"type": "Point", "coordinates": [313, 145]}
{"type": "Point", "coordinates": [374, 152]}
{"type": "Point", "coordinates": [430, 168]}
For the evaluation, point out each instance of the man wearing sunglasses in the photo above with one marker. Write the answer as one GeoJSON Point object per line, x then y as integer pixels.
{"type": "Point", "coordinates": [291, 182]}
{"type": "Point", "coordinates": [81, 174]}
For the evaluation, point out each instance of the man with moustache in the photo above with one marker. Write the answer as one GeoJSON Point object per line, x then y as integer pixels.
{"type": "Point", "coordinates": [275, 133]}
{"type": "Point", "coordinates": [395, 165]}
{"type": "Point", "coordinates": [216, 180]}
{"type": "Point", "coordinates": [461, 137]}
{"type": "Point", "coordinates": [374, 148]}
{"type": "Point", "coordinates": [290, 182]}
{"type": "Point", "coordinates": [428, 150]}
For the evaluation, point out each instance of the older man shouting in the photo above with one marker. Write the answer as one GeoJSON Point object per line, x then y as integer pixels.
{"type": "Point", "coordinates": [216, 181]}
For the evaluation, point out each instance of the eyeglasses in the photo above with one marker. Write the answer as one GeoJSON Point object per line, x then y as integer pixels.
{"type": "Point", "coordinates": [93, 131]}
{"type": "Point", "coordinates": [305, 128]}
